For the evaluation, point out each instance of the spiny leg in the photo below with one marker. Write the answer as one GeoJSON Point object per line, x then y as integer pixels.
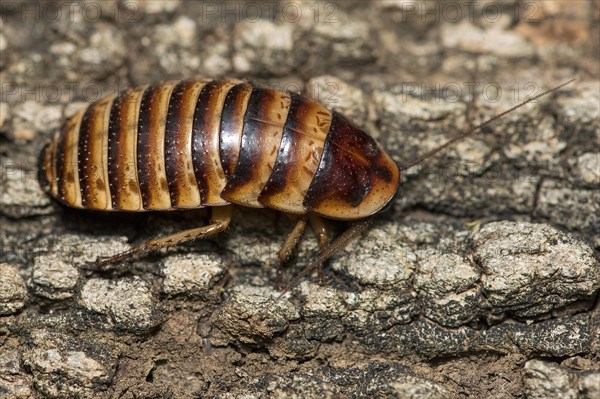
{"type": "Point", "coordinates": [288, 246]}
{"type": "Point", "coordinates": [219, 221]}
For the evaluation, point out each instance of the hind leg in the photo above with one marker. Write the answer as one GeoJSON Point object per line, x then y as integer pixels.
{"type": "Point", "coordinates": [219, 221]}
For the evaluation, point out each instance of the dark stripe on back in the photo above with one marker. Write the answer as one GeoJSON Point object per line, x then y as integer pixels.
{"type": "Point", "coordinates": [231, 124]}
{"type": "Point", "coordinates": [173, 157]}
{"type": "Point", "coordinates": [60, 162]}
{"type": "Point", "coordinates": [143, 143]}
{"type": "Point", "coordinates": [200, 138]}
{"type": "Point", "coordinates": [83, 155]}
{"type": "Point", "coordinates": [114, 134]}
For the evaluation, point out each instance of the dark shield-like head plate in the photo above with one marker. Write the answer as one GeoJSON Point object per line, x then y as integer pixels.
{"type": "Point", "coordinates": [355, 177]}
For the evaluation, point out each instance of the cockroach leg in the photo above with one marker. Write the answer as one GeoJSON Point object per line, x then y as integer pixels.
{"type": "Point", "coordinates": [219, 221]}
{"type": "Point", "coordinates": [318, 226]}
{"type": "Point", "coordinates": [289, 245]}
{"type": "Point", "coordinates": [292, 239]}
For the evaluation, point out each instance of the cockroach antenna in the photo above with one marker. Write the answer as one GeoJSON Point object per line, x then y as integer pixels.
{"type": "Point", "coordinates": [477, 128]}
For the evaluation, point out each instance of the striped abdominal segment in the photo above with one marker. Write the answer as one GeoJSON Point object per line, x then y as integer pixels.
{"type": "Point", "coordinates": [205, 142]}
{"type": "Point", "coordinates": [122, 151]}
{"type": "Point", "coordinates": [93, 156]}
{"type": "Point", "coordinates": [265, 116]}
{"type": "Point", "coordinates": [183, 188]}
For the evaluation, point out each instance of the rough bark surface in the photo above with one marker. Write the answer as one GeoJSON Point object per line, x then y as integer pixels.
{"type": "Point", "coordinates": [482, 281]}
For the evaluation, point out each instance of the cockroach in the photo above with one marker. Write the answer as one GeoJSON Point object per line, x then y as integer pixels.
{"type": "Point", "coordinates": [201, 143]}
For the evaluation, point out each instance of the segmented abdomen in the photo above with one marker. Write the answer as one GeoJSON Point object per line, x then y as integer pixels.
{"type": "Point", "coordinates": [188, 144]}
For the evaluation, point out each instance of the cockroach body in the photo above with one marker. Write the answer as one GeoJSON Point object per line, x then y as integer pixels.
{"type": "Point", "coordinates": [200, 143]}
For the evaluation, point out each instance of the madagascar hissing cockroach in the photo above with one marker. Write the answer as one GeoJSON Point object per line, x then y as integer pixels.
{"type": "Point", "coordinates": [201, 143]}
